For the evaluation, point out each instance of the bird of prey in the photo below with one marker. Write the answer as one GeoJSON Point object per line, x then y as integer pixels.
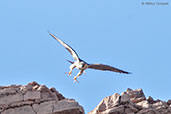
{"type": "Point", "coordinates": [82, 65]}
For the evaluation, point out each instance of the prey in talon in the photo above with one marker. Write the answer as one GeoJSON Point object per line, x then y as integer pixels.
{"type": "Point", "coordinates": [82, 65]}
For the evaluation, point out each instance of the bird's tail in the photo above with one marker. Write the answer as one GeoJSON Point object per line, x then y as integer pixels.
{"type": "Point", "coordinates": [70, 61]}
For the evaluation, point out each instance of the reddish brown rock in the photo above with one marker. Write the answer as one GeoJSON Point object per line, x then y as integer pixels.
{"type": "Point", "coordinates": [132, 102]}
{"type": "Point", "coordinates": [35, 99]}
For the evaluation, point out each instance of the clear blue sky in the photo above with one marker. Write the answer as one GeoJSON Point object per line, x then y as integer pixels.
{"type": "Point", "coordinates": [124, 34]}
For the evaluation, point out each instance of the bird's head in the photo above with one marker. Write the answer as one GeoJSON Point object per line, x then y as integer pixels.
{"type": "Point", "coordinates": [84, 65]}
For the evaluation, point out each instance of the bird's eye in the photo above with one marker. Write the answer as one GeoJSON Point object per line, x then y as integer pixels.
{"type": "Point", "coordinates": [83, 65]}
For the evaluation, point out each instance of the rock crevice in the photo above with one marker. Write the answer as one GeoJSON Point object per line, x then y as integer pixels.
{"type": "Point", "coordinates": [132, 102]}
{"type": "Point", "coordinates": [38, 99]}
{"type": "Point", "coordinates": [35, 99]}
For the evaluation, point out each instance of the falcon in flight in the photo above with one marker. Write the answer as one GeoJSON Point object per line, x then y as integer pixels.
{"type": "Point", "coordinates": [82, 65]}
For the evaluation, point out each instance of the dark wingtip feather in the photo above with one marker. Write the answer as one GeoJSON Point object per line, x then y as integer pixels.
{"type": "Point", "coordinates": [50, 33]}
{"type": "Point", "coordinates": [127, 72]}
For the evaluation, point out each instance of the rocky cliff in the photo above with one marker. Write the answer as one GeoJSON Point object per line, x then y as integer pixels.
{"type": "Point", "coordinates": [132, 102]}
{"type": "Point", "coordinates": [38, 99]}
{"type": "Point", "coordinates": [35, 99]}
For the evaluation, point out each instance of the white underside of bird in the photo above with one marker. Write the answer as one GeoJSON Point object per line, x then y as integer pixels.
{"type": "Point", "coordinates": [82, 65]}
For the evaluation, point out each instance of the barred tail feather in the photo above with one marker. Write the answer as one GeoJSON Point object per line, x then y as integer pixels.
{"type": "Point", "coordinates": [70, 61]}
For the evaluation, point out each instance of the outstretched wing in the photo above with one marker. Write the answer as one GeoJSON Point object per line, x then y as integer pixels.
{"type": "Point", "coordinates": [72, 51]}
{"type": "Point", "coordinates": [106, 67]}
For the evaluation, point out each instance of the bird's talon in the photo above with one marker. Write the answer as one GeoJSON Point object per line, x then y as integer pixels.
{"type": "Point", "coordinates": [75, 80]}
{"type": "Point", "coordinates": [68, 73]}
